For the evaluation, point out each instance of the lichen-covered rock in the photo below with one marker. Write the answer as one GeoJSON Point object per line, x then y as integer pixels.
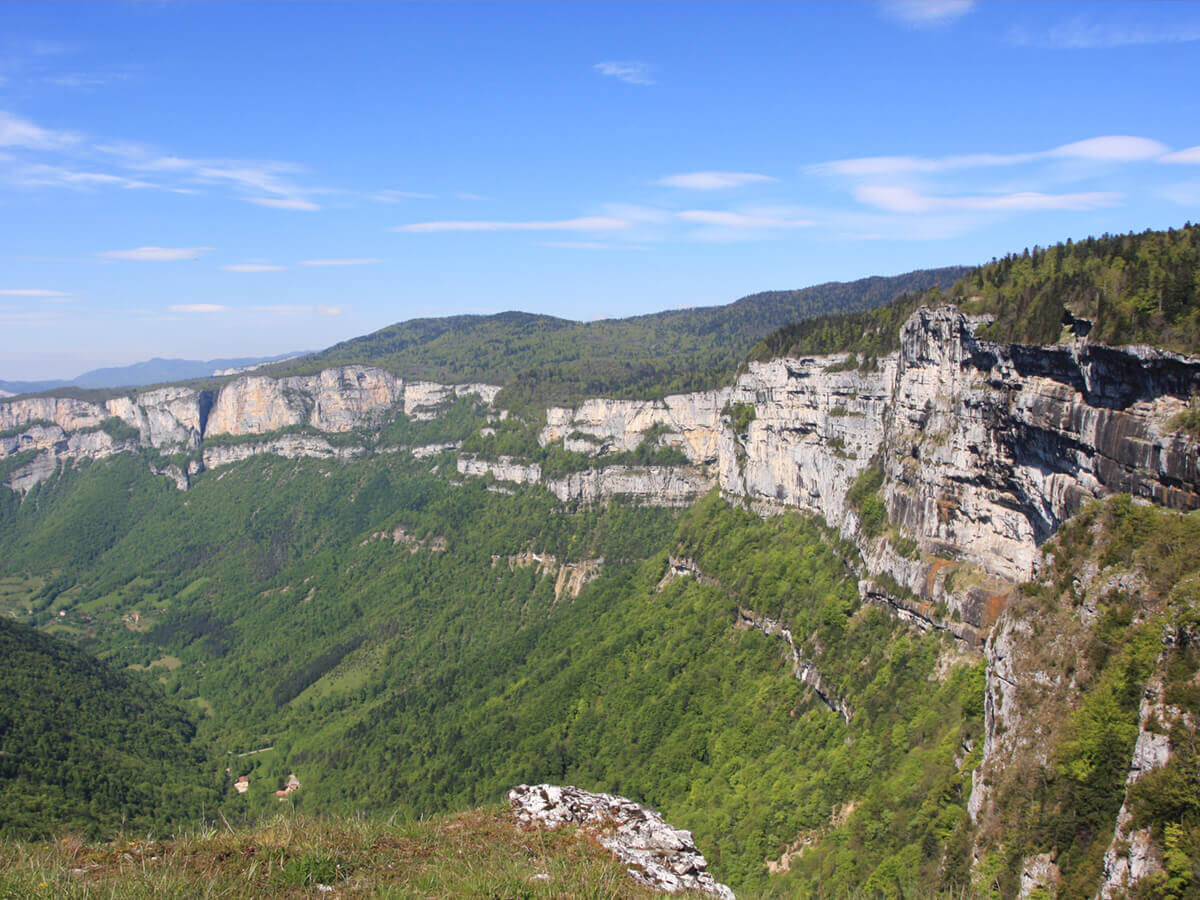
{"type": "Point", "coordinates": [658, 856]}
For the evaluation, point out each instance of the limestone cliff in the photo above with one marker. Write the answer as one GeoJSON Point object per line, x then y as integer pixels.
{"type": "Point", "coordinates": [984, 449]}
{"type": "Point", "coordinates": [179, 418]}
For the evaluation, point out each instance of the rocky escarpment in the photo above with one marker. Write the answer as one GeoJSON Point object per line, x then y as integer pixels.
{"type": "Point", "coordinates": [178, 418]}
{"type": "Point", "coordinates": [649, 485]}
{"type": "Point", "coordinates": [978, 450]}
{"type": "Point", "coordinates": [983, 450]}
{"type": "Point", "coordinates": [657, 855]}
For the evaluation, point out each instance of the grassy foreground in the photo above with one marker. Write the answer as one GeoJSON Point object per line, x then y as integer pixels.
{"type": "Point", "coordinates": [481, 853]}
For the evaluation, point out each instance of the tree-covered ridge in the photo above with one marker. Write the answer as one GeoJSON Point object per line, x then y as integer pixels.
{"type": "Point", "coordinates": [85, 746]}
{"type": "Point", "coordinates": [1132, 289]}
{"type": "Point", "coordinates": [541, 359]}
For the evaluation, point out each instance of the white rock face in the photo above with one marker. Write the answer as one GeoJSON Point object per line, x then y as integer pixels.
{"type": "Point", "coordinates": [658, 856]}
{"type": "Point", "coordinates": [987, 448]}
{"type": "Point", "coordinates": [65, 412]}
{"type": "Point", "coordinates": [165, 417]}
{"type": "Point", "coordinates": [334, 400]}
{"type": "Point", "coordinates": [506, 468]}
{"type": "Point", "coordinates": [651, 485]}
{"type": "Point", "coordinates": [292, 446]}
{"type": "Point", "coordinates": [692, 422]}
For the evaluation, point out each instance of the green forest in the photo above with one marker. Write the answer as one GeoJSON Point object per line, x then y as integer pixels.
{"type": "Point", "coordinates": [541, 359]}
{"type": "Point", "coordinates": [87, 747]}
{"type": "Point", "coordinates": [1130, 289]}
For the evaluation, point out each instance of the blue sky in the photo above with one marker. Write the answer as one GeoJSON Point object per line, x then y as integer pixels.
{"type": "Point", "coordinates": [223, 179]}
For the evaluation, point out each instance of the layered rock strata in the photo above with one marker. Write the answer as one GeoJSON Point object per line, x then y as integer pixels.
{"type": "Point", "coordinates": [985, 448]}
{"type": "Point", "coordinates": [180, 418]}
{"type": "Point", "coordinates": [657, 856]}
{"type": "Point", "coordinates": [648, 485]}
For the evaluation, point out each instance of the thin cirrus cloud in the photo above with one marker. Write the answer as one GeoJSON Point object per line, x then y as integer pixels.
{"type": "Point", "coordinates": [713, 181]}
{"type": "Point", "coordinates": [155, 254]}
{"type": "Point", "coordinates": [724, 219]}
{"type": "Point", "coordinates": [927, 13]}
{"type": "Point", "coordinates": [18, 132]}
{"type": "Point", "coordinates": [629, 71]}
{"type": "Point", "coordinates": [34, 292]}
{"type": "Point", "coordinates": [899, 199]}
{"type": "Point", "coordinates": [291, 203]}
{"type": "Point", "coordinates": [1081, 34]}
{"type": "Point", "coordinates": [1109, 148]}
{"type": "Point", "coordinates": [583, 223]}
{"type": "Point", "coordinates": [198, 308]}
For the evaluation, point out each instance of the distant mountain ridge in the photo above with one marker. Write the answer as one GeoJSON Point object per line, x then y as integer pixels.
{"type": "Point", "coordinates": [153, 371]}
{"type": "Point", "coordinates": [540, 358]}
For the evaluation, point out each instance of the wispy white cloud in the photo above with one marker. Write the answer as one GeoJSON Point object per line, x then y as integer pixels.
{"type": "Point", "coordinates": [711, 181]}
{"type": "Point", "coordinates": [43, 175]}
{"type": "Point", "coordinates": [390, 196]}
{"type": "Point", "coordinates": [629, 71]}
{"type": "Point", "coordinates": [583, 223]}
{"type": "Point", "coordinates": [330, 311]}
{"type": "Point", "coordinates": [18, 132]}
{"type": "Point", "coordinates": [1082, 34]}
{"type": "Point", "coordinates": [252, 178]}
{"type": "Point", "coordinates": [1109, 148]}
{"type": "Point", "coordinates": [927, 13]}
{"type": "Point", "coordinates": [290, 203]}
{"type": "Point", "coordinates": [898, 199]}
{"type": "Point", "coordinates": [254, 267]}
{"type": "Point", "coordinates": [198, 308]}
{"type": "Point", "coordinates": [155, 254]}
{"type": "Point", "coordinates": [467, 195]}
{"type": "Point", "coordinates": [1190, 155]}
{"type": "Point", "coordinates": [364, 261]}
{"type": "Point", "coordinates": [33, 292]}
{"type": "Point", "coordinates": [738, 220]}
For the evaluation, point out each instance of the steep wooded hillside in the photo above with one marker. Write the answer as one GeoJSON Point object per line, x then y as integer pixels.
{"type": "Point", "coordinates": [85, 746]}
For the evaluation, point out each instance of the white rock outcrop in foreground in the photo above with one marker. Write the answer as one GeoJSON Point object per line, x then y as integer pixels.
{"type": "Point", "coordinates": [658, 856]}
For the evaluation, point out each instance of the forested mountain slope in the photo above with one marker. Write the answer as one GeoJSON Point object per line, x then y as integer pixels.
{"type": "Point", "coordinates": [85, 746]}
{"type": "Point", "coordinates": [1127, 289]}
{"type": "Point", "coordinates": [541, 358]}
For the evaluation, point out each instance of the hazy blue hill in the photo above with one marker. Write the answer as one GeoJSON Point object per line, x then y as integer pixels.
{"type": "Point", "coordinates": [546, 359]}
{"type": "Point", "coordinates": [83, 745]}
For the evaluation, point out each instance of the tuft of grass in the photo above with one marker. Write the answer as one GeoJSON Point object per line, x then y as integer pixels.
{"type": "Point", "coordinates": [481, 853]}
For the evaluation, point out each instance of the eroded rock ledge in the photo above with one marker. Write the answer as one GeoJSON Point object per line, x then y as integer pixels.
{"type": "Point", "coordinates": [657, 855]}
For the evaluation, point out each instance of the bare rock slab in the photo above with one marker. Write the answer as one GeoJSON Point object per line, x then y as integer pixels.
{"type": "Point", "coordinates": [657, 855]}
